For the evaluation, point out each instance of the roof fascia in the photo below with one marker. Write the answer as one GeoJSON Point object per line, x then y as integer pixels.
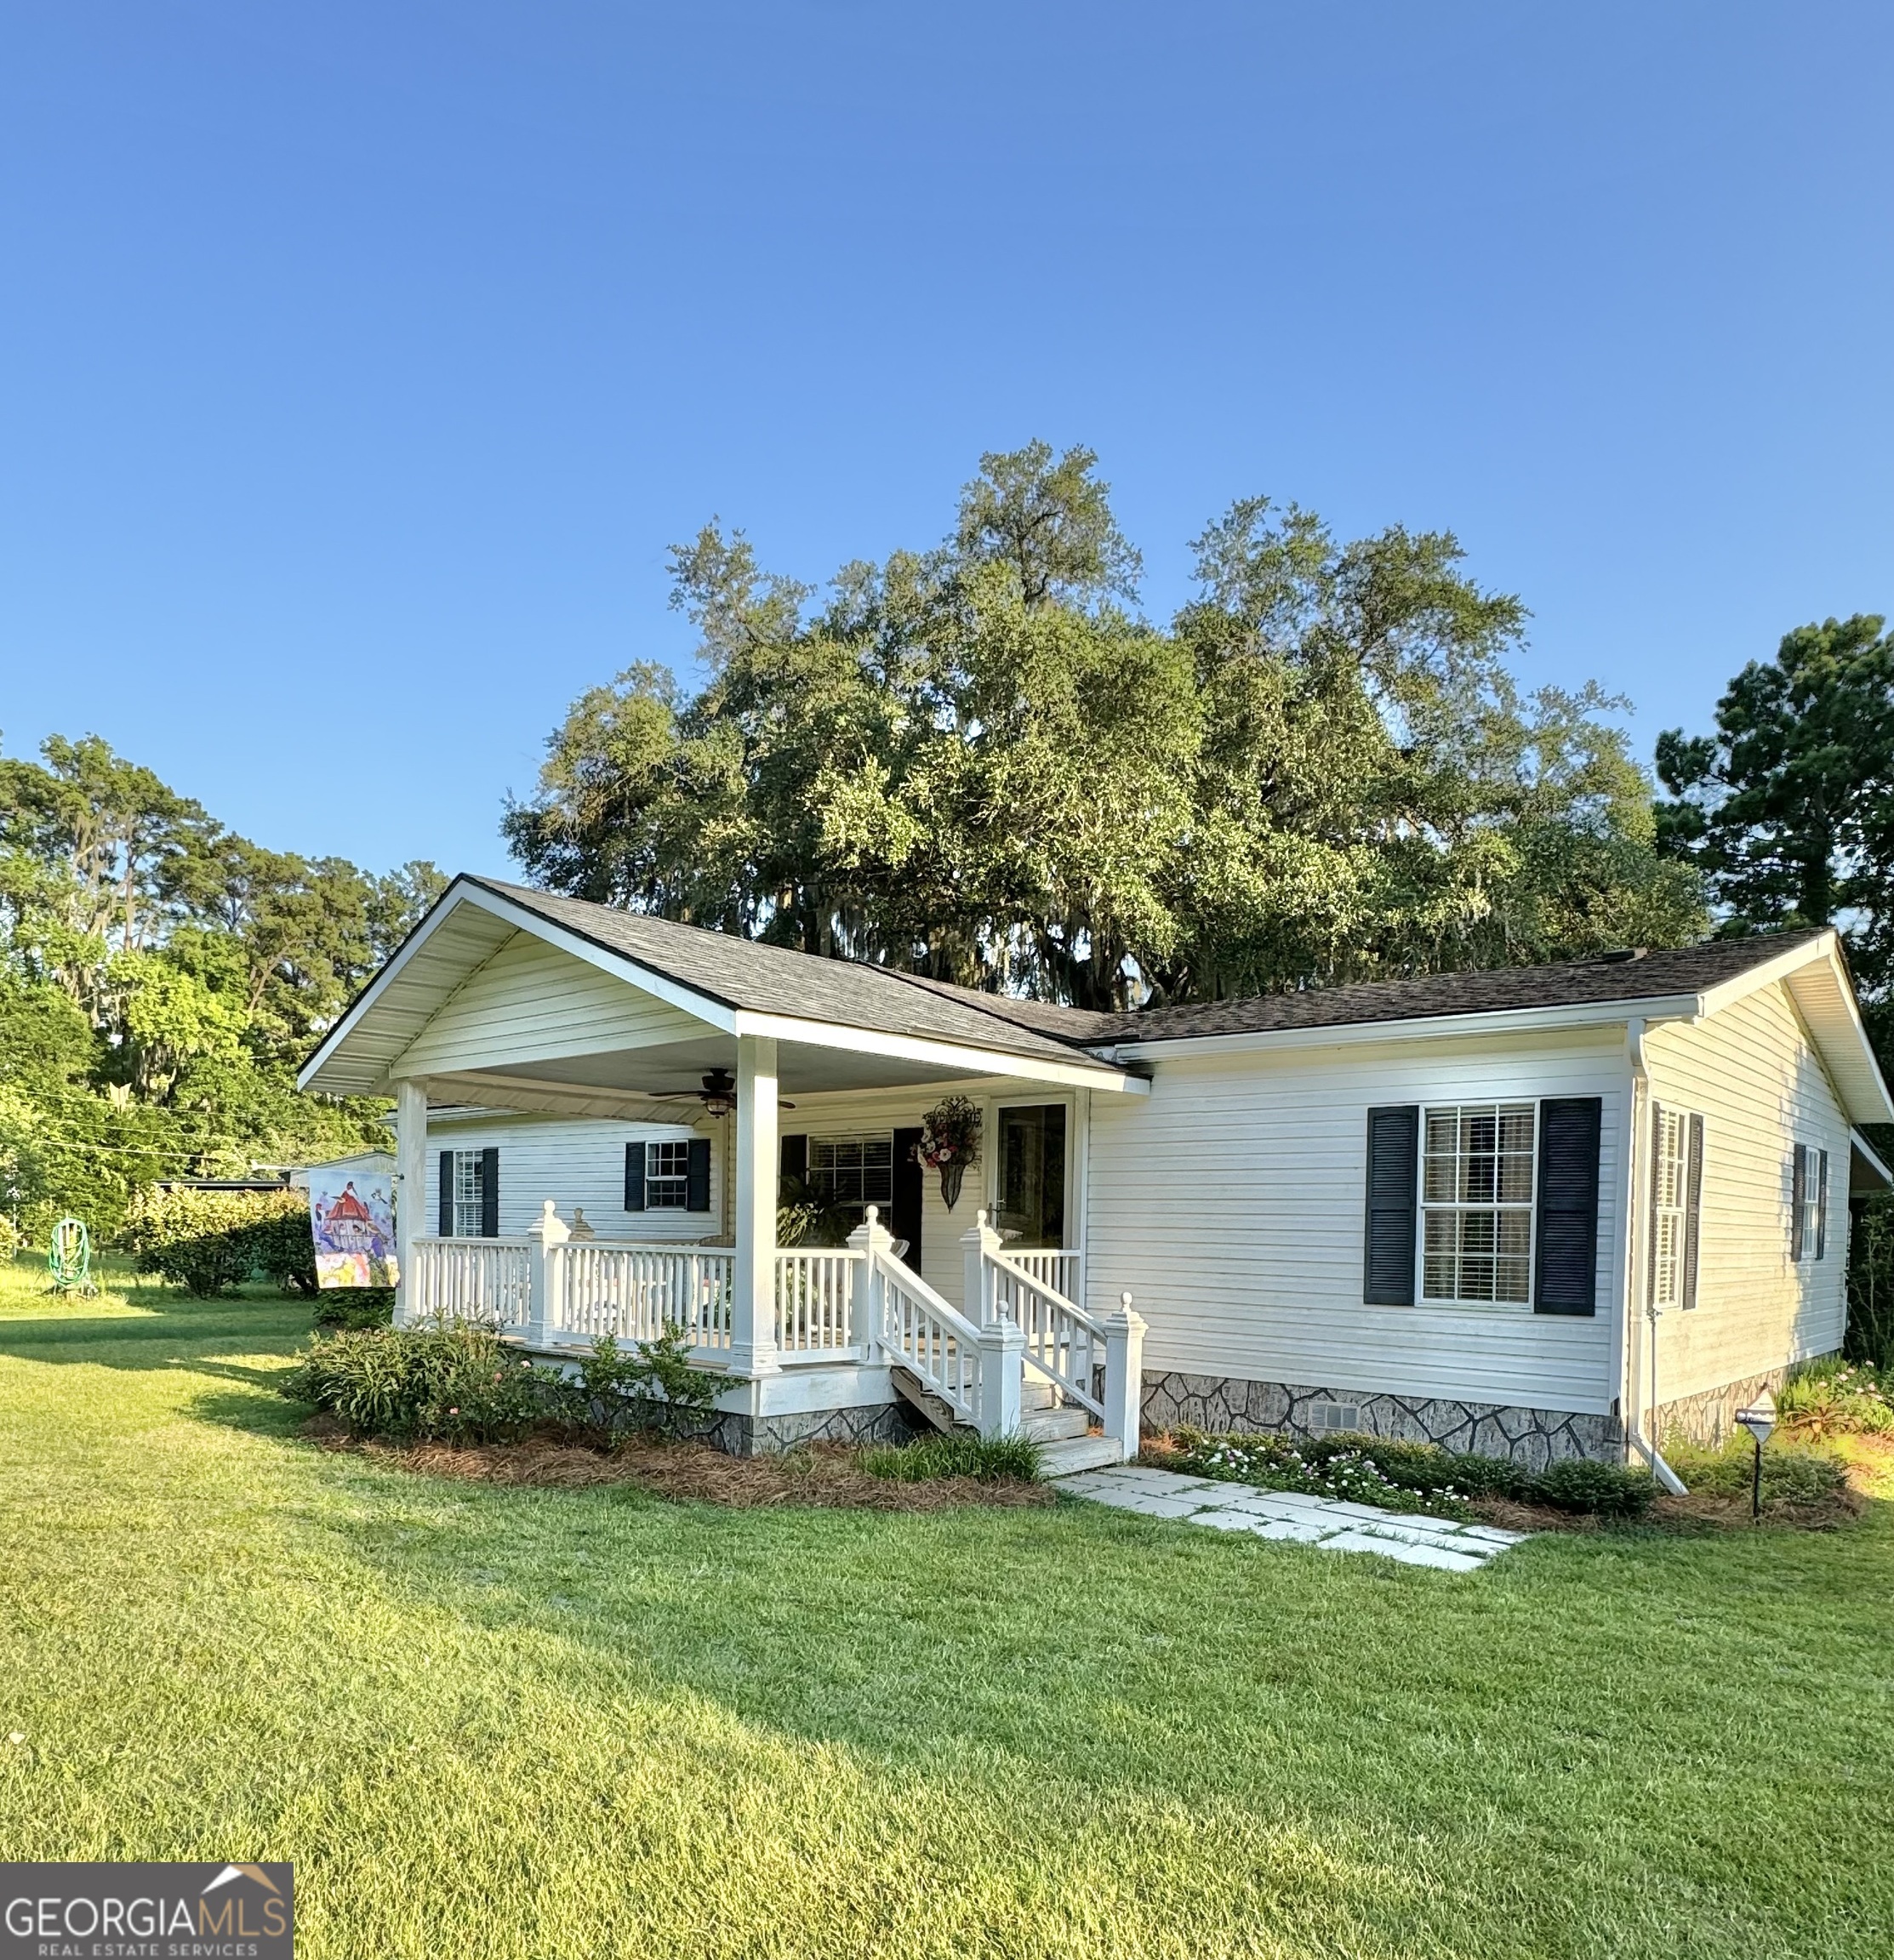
{"type": "Point", "coordinates": [1078, 1072]}
{"type": "Point", "coordinates": [1420, 1026]}
{"type": "Point", "coordinates": [443, 908]}
{"type": "Point", "coordinates": [692, 1001]}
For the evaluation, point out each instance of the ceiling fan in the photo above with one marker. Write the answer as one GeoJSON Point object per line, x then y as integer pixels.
{"type": "Point", "coordinates": [718, 1095]}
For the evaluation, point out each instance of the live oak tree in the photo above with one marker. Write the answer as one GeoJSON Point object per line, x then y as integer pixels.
{"type": "Point", "coordinates": [979, 761]}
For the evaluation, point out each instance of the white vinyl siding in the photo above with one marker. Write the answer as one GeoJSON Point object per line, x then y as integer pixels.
{"type": "Point", "coordinates": [530, 1002]}
{"type": "Point", "coordinates": [1476, 1203]}
{"type": "Point", "coordinates": [1231, 1203]}
{"type": "Point", "coordinates": [1762, 1088]}
{"type": "Point", "coordinates": [575, 1162]}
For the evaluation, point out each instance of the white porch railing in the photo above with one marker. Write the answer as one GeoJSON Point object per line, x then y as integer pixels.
{"type": "Point", "coordinates": [1060, 1269]}
{"type": "Point", "coordinates": [634, 1292]}
{"type": "Point", "coordinates": [484, 1279]}
{"type": "Point", "coordinates": [1063, 1342]}
{"type": "Point", "coordinates": [816, 1294]}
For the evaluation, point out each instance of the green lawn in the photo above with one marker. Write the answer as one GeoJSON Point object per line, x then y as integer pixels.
{"type": "Point", "coordinates": [485, 1721]}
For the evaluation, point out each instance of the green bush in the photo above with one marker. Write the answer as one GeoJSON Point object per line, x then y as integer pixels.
{"type": "Point", "coordinates": [1597, 1490]}
{"type": "Point", "coordinates": [451, 1384]}
{"type": "Point", "coordinates": [210, 1242]}
{"type": "Point", "coordinates": [648, 1386]}
{"type": "Point", "coordinates": [960, 1453]}
{"type": "Point", "coordinates": [1792, 1472]}
{"type": "Point", "coordinates": [1398, 1476]}
{"type": "Point", "coordinates": [355, 1307]}
{"type": "Point", "coordinates": [463, 1384]}
{"type": "Point", "coordinates": [1836, 1397]}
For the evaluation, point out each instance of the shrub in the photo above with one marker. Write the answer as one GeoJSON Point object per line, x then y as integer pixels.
{"type": "Point", "coordinates": [1836, 1397]}
{"type": "Point", "coordinates": [460, 1383]}
{"type": "Point", "coordinates": [1599, 1490]}
{"type": "Point", "coordinates": [452, 1384]}
{"type": "Point", "coordinates": [647, 1387]}
{"type": "Point", "coordinates": [355, 1307]}
{"type": "Point", "coordinates": [960, 1453]}
{"type": "Point", "coordinates": [1399, 1476]}
{"type": "Point", "coordinates": [210, 1242]}
{"type": "Point", "coordinates": [1792, 1472]}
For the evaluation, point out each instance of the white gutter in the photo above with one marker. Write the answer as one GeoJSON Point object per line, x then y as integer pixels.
{"type": "Point", "coordinates": [1633, 1403]}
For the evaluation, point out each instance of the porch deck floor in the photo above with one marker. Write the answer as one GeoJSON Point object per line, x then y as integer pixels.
{"type": "Point", "coordinates": [1411, 1537]}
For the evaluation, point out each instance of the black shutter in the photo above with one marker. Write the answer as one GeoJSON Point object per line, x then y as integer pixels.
{"type": "Point", "coordinates": [697, 1176]}
{"type": "Point", "coordinates": [444, 1201]}
{"type": "Point", "coordinates": [1821, 1203]}
{"type": "Point", "coordinates": [793, 1151]}
{"type": "Point", "coordinates": [489, 1193]}
{"type": "Point", "coordinates": [1693, 1209]}
{"type": "Point", "coordinates": [906, 1200]}
{"type": "Point", "coordinates": [634, 1176]}
{"type": "Point", "coordinates": [1798, 1199]}
{"type": "Point", "coordinates": [1567, 1276]}
{"type": "Point", "coordinates": [1394, 1173]}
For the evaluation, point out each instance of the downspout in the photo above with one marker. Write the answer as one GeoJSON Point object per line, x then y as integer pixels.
{"type": "Point", "coordinates": [1636, 1402]}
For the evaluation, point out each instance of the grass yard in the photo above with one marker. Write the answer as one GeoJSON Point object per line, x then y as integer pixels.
{"type": "Point", "coordinates": [492, 1721]}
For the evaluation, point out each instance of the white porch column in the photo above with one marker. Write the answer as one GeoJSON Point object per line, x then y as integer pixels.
{"type": "Point", "coordinates": [753, 1310]}
{"type": "Point", "coordinates": [1124, 1385]}
{"type": "Point", "coordinates": [548, 1230]}
{"type": "Point", "coordinates": [410, 1192]}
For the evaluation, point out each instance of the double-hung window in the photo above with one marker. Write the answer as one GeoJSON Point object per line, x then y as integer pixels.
{"type": "Point", "coordinates": [852, 1171]}
{"type": "Point", "coordinates": [1478, 1165]}
{"type": "Point", "coordinates": [1808, 1231]}
{"type": "Point", "coordinates": [469, 1194]}
{"type": "Point", "coordinates": [667, 1175]}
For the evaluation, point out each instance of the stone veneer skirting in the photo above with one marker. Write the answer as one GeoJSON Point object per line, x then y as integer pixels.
{"type": "Point", "coordinates": [771, 1435]}
{"type": "Point", "coordinates": [1532, 1437]}
{"type": "Point", "coordinates": [1708, 1417]}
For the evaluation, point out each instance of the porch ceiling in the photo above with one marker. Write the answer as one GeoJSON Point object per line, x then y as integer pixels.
{"type": "Point", "coordinates": [801, 1066]}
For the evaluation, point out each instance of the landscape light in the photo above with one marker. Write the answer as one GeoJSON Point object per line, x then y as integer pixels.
{"type": "Point", "coordinates": [1759, 1419]}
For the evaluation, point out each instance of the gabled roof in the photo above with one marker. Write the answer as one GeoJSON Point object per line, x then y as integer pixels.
{"type": "Point", "coordinates": [763, 979]}
{"type": "Point", "coordinates": [1610, 979]}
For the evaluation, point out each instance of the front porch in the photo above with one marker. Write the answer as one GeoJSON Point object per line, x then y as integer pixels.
{"type": "Point", "coordinates": [500, 1001]}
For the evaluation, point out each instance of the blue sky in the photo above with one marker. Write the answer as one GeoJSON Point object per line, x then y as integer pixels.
{"type": "Point", "coordinates": [359, 361]}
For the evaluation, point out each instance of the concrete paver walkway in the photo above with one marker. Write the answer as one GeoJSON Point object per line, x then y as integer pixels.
{"type": "Point", "coordinates": [1335, 1527]}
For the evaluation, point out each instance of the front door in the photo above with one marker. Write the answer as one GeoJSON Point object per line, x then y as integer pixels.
{"type": "Point", "coordinates": [1030, 1199]}
{"type": "Point", "coordinates": [903, 1219]}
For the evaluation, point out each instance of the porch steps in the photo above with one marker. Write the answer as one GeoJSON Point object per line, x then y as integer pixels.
{"type": "Point", "coordinates": [912, 1390]}
{"type": "Point", "coordinates": [1076, 1453]}
{"type": "Point", "coordinates": [1054, 1425]}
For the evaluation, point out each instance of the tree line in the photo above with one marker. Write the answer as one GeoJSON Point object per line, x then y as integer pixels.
{"type": "Point", "coordinates": [980, 761]}
{"type": "Point", "coordinates": [161, 978]}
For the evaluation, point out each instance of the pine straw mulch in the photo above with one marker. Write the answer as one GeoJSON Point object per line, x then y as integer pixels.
{"type": "Point", "coordinates": [824, 1476]}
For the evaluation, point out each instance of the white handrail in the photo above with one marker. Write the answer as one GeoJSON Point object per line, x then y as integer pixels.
{"type": "Point", "coordinates": [484, 1279]}
{"type": "Point", "coordinates": [1063, 1342]}
{"type": "Point", "coordinates": [921, 1332]}
{"type": "Point", "coordinates": [1060, 1267]}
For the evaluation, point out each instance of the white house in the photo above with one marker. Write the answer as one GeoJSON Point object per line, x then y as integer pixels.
{"type": "Point", "coordinates": [1536, 1212]}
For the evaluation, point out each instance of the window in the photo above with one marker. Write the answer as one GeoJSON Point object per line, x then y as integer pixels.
{"type": "Point", "coordinates": [1476, 1203]}
{"type": "Point", "coordinates": [667, 1168]}
{"type": "Point", "coordinates": [1808, 1231]}
{"type": "Point", "coordinates": [469, 1194]}
{"type": "Point", "coordinates": [853, 1170]}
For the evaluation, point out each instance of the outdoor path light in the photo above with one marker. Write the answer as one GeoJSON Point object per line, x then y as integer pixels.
{"type": "Point", "coordinates": [1759, 1419]}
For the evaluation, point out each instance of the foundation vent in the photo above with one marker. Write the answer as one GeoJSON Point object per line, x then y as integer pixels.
{"type": "Point", "coordinates": [1335, 1415]}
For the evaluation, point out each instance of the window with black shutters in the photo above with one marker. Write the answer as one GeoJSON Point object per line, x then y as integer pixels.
{"type": "Point", "coordinates": [1477, 1186]}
